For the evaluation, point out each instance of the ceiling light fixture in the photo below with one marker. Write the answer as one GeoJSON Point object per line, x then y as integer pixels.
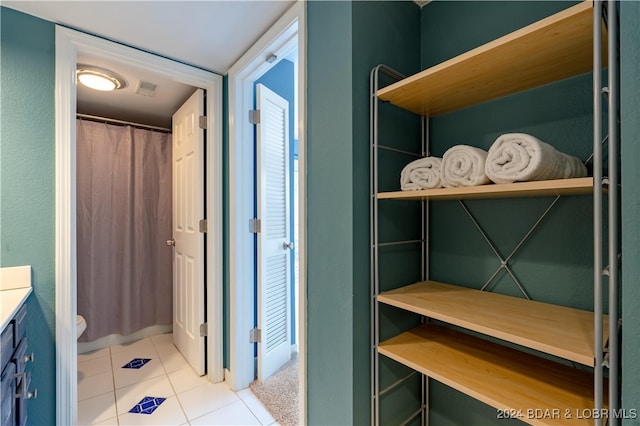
{"type": "Point", "coordinates": [99, 78]}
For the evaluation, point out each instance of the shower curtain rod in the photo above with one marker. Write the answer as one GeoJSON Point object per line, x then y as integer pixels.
{"type": "Point", "coordinates": [129, 123]}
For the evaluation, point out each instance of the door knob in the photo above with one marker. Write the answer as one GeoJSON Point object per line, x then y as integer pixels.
{"type": "Point", "coordinates": [287, 245]}
{"type": "Point", "coordinates": [171, 243]}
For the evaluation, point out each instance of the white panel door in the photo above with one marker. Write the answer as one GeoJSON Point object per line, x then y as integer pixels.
{"type": "Point", "coordinates": [188, 209]}
{"type": "Point", "coordinates": [274, 239]}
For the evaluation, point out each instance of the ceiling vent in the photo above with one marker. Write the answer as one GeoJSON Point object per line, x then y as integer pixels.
{"type": "Point", "coordinates": [146, 88]}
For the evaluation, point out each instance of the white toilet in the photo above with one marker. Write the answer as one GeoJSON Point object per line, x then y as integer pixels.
{"type": "Point", "coordinates": [81, 325]}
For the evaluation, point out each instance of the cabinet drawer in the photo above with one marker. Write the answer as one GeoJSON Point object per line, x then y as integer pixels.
{"type": "Point", "coordinates": [7, 392]}
{"type": "Point", "coordinates": [19, 355]}
{"type": "Point", "coordinates": [6, 345]}
{"type": "Point", "coordinates": [19, 324]}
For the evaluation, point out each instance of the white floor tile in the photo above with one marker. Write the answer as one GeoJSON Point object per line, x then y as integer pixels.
{"type": "Point", "coordinates": [92, 386]}
{"type": "Point", "coordinates": [128, 376]}
{"type": "Point", "coordinates": [186, 379]}
{"type": "Point", "coordinates": [91, 367]}
{"type": "Point", "coordinates": [95, 354]}
{"type": "Point", "coordinates": [168, 413]}
{"type": "Point", "coordinates": [128, 397]}
{"type": "Point", "coordinates": [122, 357]}
{"type": "Point", "coordinates": [139, 345]}
{"type": "Point", "coordinates": [166, 375]}
{"type": "Point", "coordinates": [97, 409]}
{"type": "Point", "coordinates": [206, 399]}
{"type": "Point", "coordinates": [109, 422]}
{"type": "Point", "coordinates": [162, 339]}
{"type": "Point", "coordinates": [256, 407]}
{"type": "Point", "coordinates": [171, 358]}
{"type": "Point", "coordinates": [234, 414]}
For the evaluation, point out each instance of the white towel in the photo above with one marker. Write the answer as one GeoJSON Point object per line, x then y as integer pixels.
{"type": "Point", "coordinates": [423, 173]}
{"type": "Point", "coordinates": [463, 165]}
{"type": "Point", "coordinates": [522, 157]}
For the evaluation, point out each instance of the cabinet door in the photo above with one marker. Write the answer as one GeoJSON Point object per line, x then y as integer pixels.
{"type": "Point", "coordinates": [7, 392]}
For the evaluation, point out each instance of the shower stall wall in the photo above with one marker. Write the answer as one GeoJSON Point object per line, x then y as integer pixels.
{"type": "Point", "coordinates": [124, 196]}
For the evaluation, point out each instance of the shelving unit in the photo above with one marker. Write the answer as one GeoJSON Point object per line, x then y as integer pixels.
{"type": "Point", "coordinates": [566, 44]}
{"type": "Point", "coordinates": [524, 386]}
{"type": "Point", "coordinates": [556, 330]}
{"type": "Point", "coordinates": [549, 50]}
{"type": "Point", "coordinates": [543, 188]}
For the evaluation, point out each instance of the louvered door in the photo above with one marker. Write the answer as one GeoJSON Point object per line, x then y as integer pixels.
{"type": "Point", "coordinates": [274, 239]}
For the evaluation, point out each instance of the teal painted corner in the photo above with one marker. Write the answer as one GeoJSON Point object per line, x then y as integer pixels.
{"type": "Point", "coordinates": [28, 186]}
{"type": "Point", "coordinates": [372, 43]}
{"type": "Point", "coordinates": [630, 152]}
{"type": "Point", "coordinates": [329, 214]}
{"type": "Point", "coordinates": [345, 41]}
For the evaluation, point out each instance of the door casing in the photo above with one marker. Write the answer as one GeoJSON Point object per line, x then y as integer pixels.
{"type": "Point", "coordinates": [68, 44]}
{"type": "Point", "coordinates": [283, 38]}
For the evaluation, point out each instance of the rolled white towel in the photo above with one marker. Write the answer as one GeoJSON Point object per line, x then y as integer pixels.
{"type": "Point", "coordinates": [521, 157]}
{"type": "Point", "coordinates": [463, 165]}
{"type": "Point", "coordinates": [423, 173]}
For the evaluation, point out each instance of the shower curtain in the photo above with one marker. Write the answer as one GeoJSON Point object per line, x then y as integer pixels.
{"type": "Point", "coordinates": [124, 193]}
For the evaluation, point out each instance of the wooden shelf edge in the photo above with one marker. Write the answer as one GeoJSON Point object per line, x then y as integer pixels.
{"type": "Point", "coordinates": [542, 188]}
{"type": "Point", "coordinates": [556, 330]}
{"type": "Point", "coordinates": [503, 378]}
{"type": "Point", "coordinates": [467, 88]}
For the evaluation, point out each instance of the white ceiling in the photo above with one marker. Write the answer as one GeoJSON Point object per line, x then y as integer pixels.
{"type": "Point", "coordinates": [125, 104]}
{"type": "Point", "coordinates": [209, 34]}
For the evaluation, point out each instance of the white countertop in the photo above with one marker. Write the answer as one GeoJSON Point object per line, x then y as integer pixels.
{"type": "Point", "coordinates": [15, 287]}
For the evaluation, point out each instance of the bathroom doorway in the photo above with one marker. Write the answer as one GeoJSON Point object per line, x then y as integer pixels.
{"type": "Point", "coordinates": [124, 202]}
{"type": "Point", "coordinates": [69, 45]}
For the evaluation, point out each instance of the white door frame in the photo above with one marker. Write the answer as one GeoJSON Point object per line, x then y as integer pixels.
{"type": "Point", "coordinates": [68, 44]}
{"type": "Point", "coordinates": [283, 38]}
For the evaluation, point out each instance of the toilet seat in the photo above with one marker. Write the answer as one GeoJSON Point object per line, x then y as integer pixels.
{"type": "Point", "coordinates": [81, 325]}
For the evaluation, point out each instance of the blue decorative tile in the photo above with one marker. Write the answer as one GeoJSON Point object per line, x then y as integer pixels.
{"type": "Point", "coordinates": [147, 405]}
{"type": "Point", "coordinates": [136, 363]}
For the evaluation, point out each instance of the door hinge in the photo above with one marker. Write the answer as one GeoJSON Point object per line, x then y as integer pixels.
{"type": "Point", "coordinates": [255, 335]}
{"type": "Point", "coordinates": [202, 225]}
{"type": "Point", "coordinates": [254, 116]}
{"type": "Point", "coordinates": [202, 121]}
{"type": "Point", "coordinates": [254, 225]}
{"type": "Point", "coordinates": [203, 330]}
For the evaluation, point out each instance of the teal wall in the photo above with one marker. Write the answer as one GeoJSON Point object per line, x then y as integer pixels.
{"type": "Point", "coordinates": [630, 135]}
{"type": "Point", "coordinates": [345, 41]}
{"type": "Point", "coordinates": [28, 186]}
{"type": "Point", "coordinates": [555, 264]}
{"type": "Point", "coordinates": [329, 213]}
{"type": "Point", "coordinates": [384, 32]}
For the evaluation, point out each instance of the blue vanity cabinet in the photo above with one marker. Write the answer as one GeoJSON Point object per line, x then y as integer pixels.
{"type": "Point", "coordinates": [14, 379]}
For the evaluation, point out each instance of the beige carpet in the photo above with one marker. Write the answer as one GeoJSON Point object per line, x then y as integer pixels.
{"type": "Point", "coordinates": [279, 393]}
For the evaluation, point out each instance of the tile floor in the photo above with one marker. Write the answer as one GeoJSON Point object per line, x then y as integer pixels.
{"type": "Point", "coordinates": [165, 387]}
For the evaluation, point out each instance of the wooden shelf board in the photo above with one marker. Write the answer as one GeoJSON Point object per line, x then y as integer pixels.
{"type": "Point", "coordinates": [554, 48]}
{"type": "Point", "coordinates": [556, 330]}
{"type": "Point", "coordinates": [542, 188]}
{"type": "Point", "coordinates": [501, 377]}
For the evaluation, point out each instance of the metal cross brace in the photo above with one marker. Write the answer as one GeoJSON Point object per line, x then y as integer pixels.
{"type": "Point", "coordinates": [504, 263]}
